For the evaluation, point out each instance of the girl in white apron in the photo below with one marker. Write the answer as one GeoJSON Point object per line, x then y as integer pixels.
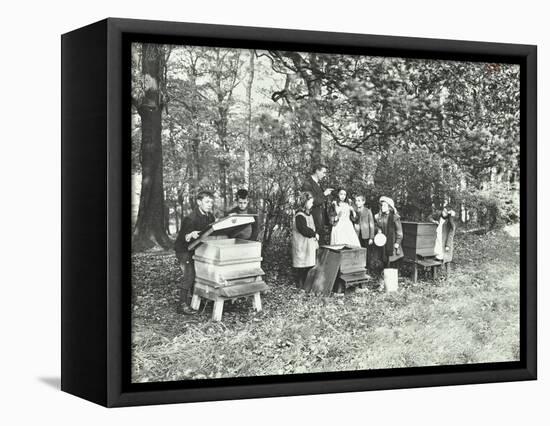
{"type": "Point", "coordinates": [304, 239]}
{"type": "Point", "coordinates": [445, 233]}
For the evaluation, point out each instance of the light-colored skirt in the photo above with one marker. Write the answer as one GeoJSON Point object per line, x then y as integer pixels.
{"type": "Point", "coordinates": [344, 233]}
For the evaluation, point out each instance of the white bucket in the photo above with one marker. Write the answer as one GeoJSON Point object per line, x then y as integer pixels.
{"type": "Point", "coordinates": [390, 279]}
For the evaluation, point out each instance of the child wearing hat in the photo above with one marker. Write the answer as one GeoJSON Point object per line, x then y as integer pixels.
{"type": "Point", "coordinates": [388, 223]}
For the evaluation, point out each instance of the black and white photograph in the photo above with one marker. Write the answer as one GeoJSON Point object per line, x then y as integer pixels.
{"type": "Point", "coordinates": [284, 213]}
{"type": "Point", "coordinates": [299, 212]}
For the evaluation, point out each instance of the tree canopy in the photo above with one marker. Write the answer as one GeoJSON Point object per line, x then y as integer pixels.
{"type": "Point", "coordinates": [422, 131]}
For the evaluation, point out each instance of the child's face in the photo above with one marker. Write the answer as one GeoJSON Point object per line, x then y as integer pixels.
{"type": "Point", "coordinates": [342, 195]}
{"type": "Point", "coordinates": [359, 202]}
{"type": "Point", "coordinates": [309, 204]}
{"type": "Point", "coordinates": [242, 204]}
{"type": "Point", "coordinates": [206, 204]}
{"type": "Point", "coordinates": [384, 207]}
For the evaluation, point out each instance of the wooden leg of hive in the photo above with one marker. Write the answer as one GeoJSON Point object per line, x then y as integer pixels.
{"type": "Point", "coordinates": [218, 310]}
{"type": "Point", "coordinates": [195, 302]}
{"type": "Point", "coordinates": [257, 303]}
{"type": "Point", "coordinates": [415, 272]}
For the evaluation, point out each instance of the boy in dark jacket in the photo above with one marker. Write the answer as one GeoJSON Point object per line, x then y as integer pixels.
{"type": "Point", "coordinates": [248, 231]}
{"type": "Point", "coordinates": [191, 228]}
{"type": "Point", "coordinates": [364, 225]}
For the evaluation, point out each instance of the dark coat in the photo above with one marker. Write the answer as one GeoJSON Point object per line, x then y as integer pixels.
{"type": "Point", "coordinates": [196, 221]}
{"type": "Point", "coordinates": [248, 231]}
{"type": "Point", "coordinates": [389, 252]}
{"type": "Point", "coordinates": [318, 210]}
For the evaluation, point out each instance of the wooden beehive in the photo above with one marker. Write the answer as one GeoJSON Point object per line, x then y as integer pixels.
{"type": "Point", "coordinates": [418, 239]}
{"type": "Point", "coordinates": [227, 268]}
{"type": "Point", "coordinates": [226, 262]}
{"type": "Point", "coordinates": [342, 265]}
{"type": "Point", "coordinates": [353, 259]}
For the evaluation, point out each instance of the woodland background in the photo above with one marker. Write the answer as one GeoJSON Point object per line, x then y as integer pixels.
{"type": "Point", "coordinates": [424, 132]}
{"type": "Point", "coordinates": [38, 377]}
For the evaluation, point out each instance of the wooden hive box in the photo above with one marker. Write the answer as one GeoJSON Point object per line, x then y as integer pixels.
{"type": "Point", "coordinates": [221, 262]}
{"type": "Point", "coordinates": [227, 268]}
{"type": "Point", "coordinates": [418, 239]}
{"type": "Point", "coordinates": [353, 260]}
{"type": "Point", "coordinates": [340, 264]}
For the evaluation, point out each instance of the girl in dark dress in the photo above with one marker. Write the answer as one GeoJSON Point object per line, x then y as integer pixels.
{"type": "Point", "coordinates": [388, 222]}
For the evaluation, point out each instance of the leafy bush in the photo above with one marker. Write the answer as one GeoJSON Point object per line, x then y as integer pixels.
{"type": "Point", "coordinates": [492, 208]}
{"type": "Point", "coordinates": [418, 181]}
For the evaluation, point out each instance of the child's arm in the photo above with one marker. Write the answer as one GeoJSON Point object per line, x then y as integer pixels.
{"type": "Point", "coordinates": [181, 241]}
{"type": "Point", "coordinates": [398, 230]}
{"type": "Point", "coordinates": [352, 213]}
{"type": "Point", "coordinates": [301, 226]}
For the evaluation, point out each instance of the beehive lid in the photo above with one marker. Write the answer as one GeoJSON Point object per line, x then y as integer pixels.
{"type": "Point", "coordinates": [222, 227]}
{"type": "Point", "coordinates": [341, 247]}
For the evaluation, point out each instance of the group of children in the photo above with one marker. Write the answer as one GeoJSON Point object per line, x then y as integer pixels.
{"type": "Point", "coordinates": [352, 224]}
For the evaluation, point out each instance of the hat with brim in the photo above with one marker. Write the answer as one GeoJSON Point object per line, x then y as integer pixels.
{"type": "Point", "coordinates": [389, 201]}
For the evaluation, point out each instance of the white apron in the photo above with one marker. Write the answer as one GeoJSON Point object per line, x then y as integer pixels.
{"type": "Point", "coordinates": [439, 250]}
{"type": "Point", "coordinates": [304, 249]}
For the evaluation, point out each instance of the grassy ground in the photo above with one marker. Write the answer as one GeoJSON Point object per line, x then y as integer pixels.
{"type": "Point", "coordinates": [471, 318]}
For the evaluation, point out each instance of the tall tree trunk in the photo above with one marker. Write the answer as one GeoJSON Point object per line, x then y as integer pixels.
{"type": "Point", "coordinates": [194, 167]}
{"type": "Point", "coordinates": [248, 142]}
{"type": "Point", "coordinates": [176, 215]}
{"type": "Point", "coordinates": [314, 89]}
{"type": "Point", "coordinates": [223, 183]}
{"type": "Point", "coordinates": [150, 227]}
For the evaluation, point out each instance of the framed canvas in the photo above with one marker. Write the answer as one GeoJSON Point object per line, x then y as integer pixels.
{"type": "Point", "coordinates": [256, 212]}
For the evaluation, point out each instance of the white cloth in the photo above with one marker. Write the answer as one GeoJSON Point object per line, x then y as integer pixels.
{"type": "Point", "coordinates": [343, 232]}
{"type": "Point", "coordinates": [304, 249]}
{"type": "Point", "coordinates": [439, 250]}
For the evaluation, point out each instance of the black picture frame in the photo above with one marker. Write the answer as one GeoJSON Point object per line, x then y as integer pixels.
{"type": "Point", "coordinates": [95, 286]}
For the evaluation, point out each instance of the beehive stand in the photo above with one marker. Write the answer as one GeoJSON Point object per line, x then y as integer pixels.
{"type": "Point", "coordinates": [231, 291]}
{"type": "Point", "coordinates": [228, 269]}
{"type": "Point", "coordinates": [418, 246]}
